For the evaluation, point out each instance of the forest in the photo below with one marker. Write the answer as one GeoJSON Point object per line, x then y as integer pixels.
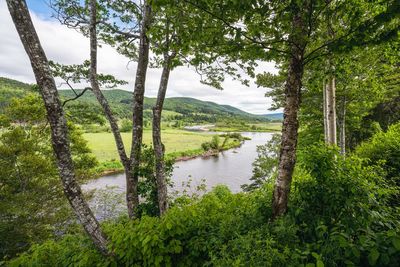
{"type": "Point", "coordinates": [323, 189]}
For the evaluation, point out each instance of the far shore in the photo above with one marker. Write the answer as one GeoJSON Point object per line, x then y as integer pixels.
{"type": "Point", "coordinates": [203, 154]}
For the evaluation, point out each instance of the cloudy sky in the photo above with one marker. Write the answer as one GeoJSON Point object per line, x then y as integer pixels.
{"type": "Point", "coordinates": [67, 46]}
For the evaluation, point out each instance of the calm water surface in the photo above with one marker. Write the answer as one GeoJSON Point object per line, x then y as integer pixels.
{"type": "Point", "coordinates": [232, 168]}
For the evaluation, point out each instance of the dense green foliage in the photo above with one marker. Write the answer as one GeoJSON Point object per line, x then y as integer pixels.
{"type": "Point", "coordinates": [147, 187]}
{"type": "Point", "coordinates": [265, 165]}
{"type": "Point", "coordinates": [338, 215]}
{"type": "Point", "coordinates": [31, 195]}
{"type": "Point", "coordinates": [384, 150]}
{"type": "Point", "coordinates": [223, 142]}
{"type": "Point", "coordinates": [11, 88]}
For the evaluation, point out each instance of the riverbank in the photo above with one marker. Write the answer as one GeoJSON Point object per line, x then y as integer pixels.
{"type": "Point", "coordinates": [232, 167]}
{"type": "Point", "coordinates": [237, 127]}
{"type": "Point", "coordinates": [258, 128]}
{"type": "Point", "coordinates": [230, 141]}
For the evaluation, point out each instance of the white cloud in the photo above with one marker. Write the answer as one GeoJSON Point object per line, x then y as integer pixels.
{"type": "Point", "coordinates": [67, 46]}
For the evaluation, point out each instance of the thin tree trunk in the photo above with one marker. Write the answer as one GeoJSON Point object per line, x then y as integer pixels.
{"type": "Point", "coordinates": [132, 197]}
{"type": "Point", "coordinates": [331, 97]}
{"type": "Point", "coordinates": [287, 158]}
{"type": "Point", "coordinates": [342, 128]}
{"type": "Point", "coordinates": [55, 115]}
{"type": "Point", "coordinates": [99, 95]}
{"type": "Point", "coordinates": [158, 146]}
{"type": "Point", "coordinates": [331, 88]}
{"type": "Point", "coordinates": [325, 111]}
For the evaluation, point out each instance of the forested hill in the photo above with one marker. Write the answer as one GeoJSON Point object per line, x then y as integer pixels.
{"type": "Point", "coordinates": [9, 89]}
{"type": "Point", "coordinates": [190, 108]}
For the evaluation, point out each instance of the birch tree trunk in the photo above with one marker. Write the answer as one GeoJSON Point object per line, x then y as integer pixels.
{"type": "Point", "coordinates": [132, 198]}
{"type": "Point", "coordinates": [55, 115]}
{"type": "Point", "coordinates": [325, 111]}
{"type": "Point", "coordinates": [287, 158]}
{"type": "Point", "coordinates": [342, 128]}
{"type": "Point", "coordinates": [99, 95]}
{"type": "Point", "coordinates": [157, 143]}
{"type": "Point", "coordinates": [331, 88]}
{"type": "Point", "coordinates": [331, 97]}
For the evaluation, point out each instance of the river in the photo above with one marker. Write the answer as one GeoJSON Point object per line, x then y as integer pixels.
{"type": "Point", "coordinates": [231, 168]}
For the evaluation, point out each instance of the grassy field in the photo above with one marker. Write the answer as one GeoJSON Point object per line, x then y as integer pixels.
{"type": "Point", "coordinates": [103, 145]}
{"type": "Point", "coordinates": [253, 127]}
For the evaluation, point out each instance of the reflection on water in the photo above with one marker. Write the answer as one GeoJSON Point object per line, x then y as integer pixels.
{"type": "Point", "coordinates": [232, 168]}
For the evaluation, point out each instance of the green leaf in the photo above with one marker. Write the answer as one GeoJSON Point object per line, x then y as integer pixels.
{"type": "Point", "coordinates": [146, 240]}
{"type": "Point", "coordinates": [396, 242]}
{"type": "Point", "coordinates": [315, 255]}
{"type": "Point", "coordinates": [320, 263]}
{"type": "Point", "coordinates": [169, 225]}
{"type": "Point", "coordinates": [373, 256]}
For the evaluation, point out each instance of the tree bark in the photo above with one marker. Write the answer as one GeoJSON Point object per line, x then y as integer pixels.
{"type": "Point", "coordinates": [55, 115]}
{"type": "Point", "coordinates": [132, 197]}
{"type": "Point", "coordinates": [287, 158]}
{"type": "Point", "coordinates": [325, 111]}
{"type": "Point", "coordinates": [331, 97]}
{"type": "Point", "coordinates": [331, 88]}
{"type": "Point", "coordinates": [98, 93]}
{"type": "Point", "coordinates": [158, 146]}
{"type": "Point", "coordinates": [342, 128]}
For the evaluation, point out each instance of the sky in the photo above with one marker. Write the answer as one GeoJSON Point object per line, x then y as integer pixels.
{"type": "Point", "coordinates": [67, 46]}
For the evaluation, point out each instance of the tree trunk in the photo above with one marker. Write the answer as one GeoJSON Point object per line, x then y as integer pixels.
{"type": "Point", "coordinates": [99, 95]}
{"type": "Point", "coordinates": [158, 146]}
{"type": "Point", "coordinates": [331, 97]}
{"type": "Point", "coordinates": [55, 115]}
{"type": "Point", "coordinates": [331, 88]}
{"type": "Point", "coordinates": [342, 128]}
{"type": "Point", "coordinates": [325, 111]}
{"type": "Point", "coordinates": [132, 197]}
{"type": "Point", "coordinates": [287, 158]}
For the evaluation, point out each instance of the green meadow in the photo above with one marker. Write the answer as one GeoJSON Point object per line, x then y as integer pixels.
{"type": "Point", "coordinates": [175, 140]}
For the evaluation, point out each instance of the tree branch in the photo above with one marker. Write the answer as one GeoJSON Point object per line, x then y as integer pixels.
{"type": "Point", "coordinates": [263, 44]}
{"type": "Point", "coordinates": [77, 96]}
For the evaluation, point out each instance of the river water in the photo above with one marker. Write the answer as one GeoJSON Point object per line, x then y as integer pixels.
{"type": "Point", "coordinates": [231, 168]}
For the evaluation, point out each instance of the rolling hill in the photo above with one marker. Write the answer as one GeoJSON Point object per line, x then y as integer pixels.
{"type": "Point", "coordinates": [189, 109]}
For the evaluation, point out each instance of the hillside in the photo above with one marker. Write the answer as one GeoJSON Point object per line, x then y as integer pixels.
{"type": "Point", "coordinates": [188, 109]}
{"type": "Point", "coordinates": [274, 116]}
{"type": "Point", "coordinates": [9, 89]}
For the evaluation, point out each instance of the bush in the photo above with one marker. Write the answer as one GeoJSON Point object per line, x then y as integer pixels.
{"type": "Point", "coordinates": [341, 208]}
{"type": "Point", "coordinates": [215, 142]}
{"type": "Point", "coordinates": [265, 165]}
{"type": "Point", "coordinates": [147, 188]}
{"type": "Point", "coordinates": [186, 236]}
{"type": "Point", "coordinates": [383, 149]}
{"type": "Point", "coordinates": [126, 125]}
{"type": "Point", "coordinates": [338, 216]}
{"type": "Point", "coordinates": [206, 146]}
{"type": "Point", "coordinates": [213, 145]}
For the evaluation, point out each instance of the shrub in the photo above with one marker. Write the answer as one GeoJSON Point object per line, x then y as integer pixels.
{"type": "Point", "coordinates": [338, 216]}
{"type": "Point", "coordinates": [206, 146]}
{"type": "Point", "coordinates": [126, 125]}
{"type": "Point", "coordinates": [383, 149]}
{"type": "Point", "coordinates": [339, 204]}
{"type": "Point", "coordinates": [215, 142]}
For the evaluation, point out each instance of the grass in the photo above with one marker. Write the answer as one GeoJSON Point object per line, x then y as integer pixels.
{"type": "Point", "coordinates": [175, 140]}
{"type": "Point", "coordinates": [254, 127]}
